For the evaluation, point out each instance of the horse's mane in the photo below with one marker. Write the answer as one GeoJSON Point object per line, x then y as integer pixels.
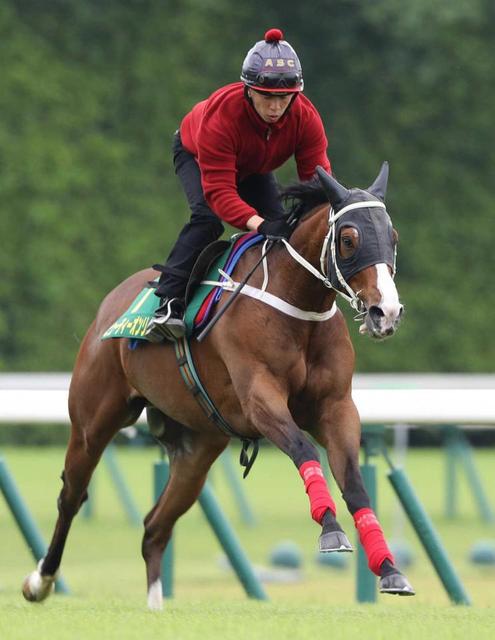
{"type": "Point", "coordinates": [301, 197]}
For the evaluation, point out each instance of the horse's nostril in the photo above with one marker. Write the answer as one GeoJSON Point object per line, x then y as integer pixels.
{"type": "Point", "coordinates": [376, 313]}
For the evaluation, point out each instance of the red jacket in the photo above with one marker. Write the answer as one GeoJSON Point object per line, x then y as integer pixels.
{"type": "Point", "coordinates": [230, 142]}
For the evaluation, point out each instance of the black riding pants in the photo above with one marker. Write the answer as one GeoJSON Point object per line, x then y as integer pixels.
{"type": "Point", "coordinates": [204, 227]}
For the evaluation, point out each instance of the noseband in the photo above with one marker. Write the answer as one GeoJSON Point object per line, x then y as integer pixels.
{"type": "Point", "coordinates": [330, 240]}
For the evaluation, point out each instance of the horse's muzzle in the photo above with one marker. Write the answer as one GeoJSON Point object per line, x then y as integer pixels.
{"type": "Point", "coordinates": [380, 324]}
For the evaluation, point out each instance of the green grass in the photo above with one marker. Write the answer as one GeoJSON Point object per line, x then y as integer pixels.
{"type": "Point", "coordinates": [124, 619]}
{"type": "Point", "coordinates": [104, 569]}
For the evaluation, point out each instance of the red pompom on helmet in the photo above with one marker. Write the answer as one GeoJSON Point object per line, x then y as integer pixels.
{"type": "Point", "coordinates": [273, 35]}
{"type": "Point", "coordinates": [272, 65]}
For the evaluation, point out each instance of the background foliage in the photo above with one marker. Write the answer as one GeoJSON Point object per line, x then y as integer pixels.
{"type": "Point", "coordinates": [91, 93]}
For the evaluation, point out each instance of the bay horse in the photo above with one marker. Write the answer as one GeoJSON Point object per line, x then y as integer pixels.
{"type": "Point", "coordinates": [271, 372]}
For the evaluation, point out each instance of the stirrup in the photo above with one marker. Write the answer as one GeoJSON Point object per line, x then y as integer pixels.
{"type": "Point", "coordinates": [167, 323]}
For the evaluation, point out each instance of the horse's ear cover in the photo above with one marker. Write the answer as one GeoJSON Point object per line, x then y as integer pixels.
{"type": "Point", "coordinates": [336, 193]}
{"type": "Point", "coordinates": [379, 187]}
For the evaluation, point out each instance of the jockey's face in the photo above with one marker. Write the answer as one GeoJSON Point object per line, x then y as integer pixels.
{"type": "Point", "coordinates": [270, 106]}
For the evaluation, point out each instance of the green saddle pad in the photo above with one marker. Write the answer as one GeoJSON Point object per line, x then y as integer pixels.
{"type": "Point", "coordinates": [134, 322]}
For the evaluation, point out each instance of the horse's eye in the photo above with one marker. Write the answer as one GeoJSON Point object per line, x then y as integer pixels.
{"type": "Point", "coordinates": [349, 240]}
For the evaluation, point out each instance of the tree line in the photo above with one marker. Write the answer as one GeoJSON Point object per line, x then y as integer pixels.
{"type": "Point", "coordinates": [91, 93]}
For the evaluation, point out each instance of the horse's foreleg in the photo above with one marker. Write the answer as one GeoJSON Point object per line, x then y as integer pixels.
{"type": "Point", "coordinates": [265, 406]}
{"type": "Point", "coordinates": [190, 460]}
{"type": "Point", "coordinates": [339, 432]}
{"type": "Point", "coordinates": [80, 462]}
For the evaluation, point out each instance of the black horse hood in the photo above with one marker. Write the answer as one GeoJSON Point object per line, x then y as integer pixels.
{"type": "Point", "coordinates": [374, 226]}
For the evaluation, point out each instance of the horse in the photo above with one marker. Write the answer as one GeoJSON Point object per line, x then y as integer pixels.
{"type": "Point", "coordinates": [272, 370]}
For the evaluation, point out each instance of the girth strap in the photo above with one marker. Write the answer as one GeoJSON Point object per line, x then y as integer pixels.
{"type": "Point", "coordinates": [193, 383]}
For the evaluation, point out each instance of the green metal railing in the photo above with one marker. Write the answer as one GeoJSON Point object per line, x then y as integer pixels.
{"type": "Point", "coordinates": [459, 453]}
{"type": "Point", "coordinates": [222, 530]}
{"type": "Point", "coordinates": [373, 445]}
{"type": "Point", "coordinates": [25, 521]}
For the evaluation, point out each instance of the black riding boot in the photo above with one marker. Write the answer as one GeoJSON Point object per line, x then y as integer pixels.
{"type": "Point", "coordinates": [168, 321]}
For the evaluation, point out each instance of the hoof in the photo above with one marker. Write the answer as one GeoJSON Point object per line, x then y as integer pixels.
{"type": "Point", "coordinates": [396, 584]}
{"type": "Point", "coordinates": [334, 541]}
{"type": "Point", "coordinates": [36, 587]}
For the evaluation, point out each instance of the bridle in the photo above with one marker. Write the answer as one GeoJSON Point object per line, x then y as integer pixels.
{"type": "Point", "coordinates": [330, 241]}
{"type": "Point", "coordinates": [228, 284]}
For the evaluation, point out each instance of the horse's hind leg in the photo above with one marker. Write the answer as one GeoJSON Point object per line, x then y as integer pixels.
{"type": "Point", "coordinates": [79, 466]}
{"type": "Point", "coordinates": [339, 432]}
{"type": "Point", "coordinates": [96, 416]}
{"type": "Point", "coordinates": [191, 455]}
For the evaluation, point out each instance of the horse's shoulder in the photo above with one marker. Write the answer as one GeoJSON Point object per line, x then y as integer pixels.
{"type": "Point", "coordinates": [331, 352]}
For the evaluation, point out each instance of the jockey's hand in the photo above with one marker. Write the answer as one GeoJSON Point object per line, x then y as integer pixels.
{"type": "Point", "coordinates": [277, 229]}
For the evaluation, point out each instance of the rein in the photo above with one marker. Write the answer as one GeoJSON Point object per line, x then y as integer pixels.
{"type": "Point", "coordinates": [330, 239]}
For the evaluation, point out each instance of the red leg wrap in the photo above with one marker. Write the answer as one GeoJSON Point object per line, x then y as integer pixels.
{"type": "Point", "coordinates": [372, 539]}
{"type": "Point", "coordinates": [316, 487]}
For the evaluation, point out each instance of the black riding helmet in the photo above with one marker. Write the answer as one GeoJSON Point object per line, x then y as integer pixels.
{"type": "Point", "coordinates": [272, 65]}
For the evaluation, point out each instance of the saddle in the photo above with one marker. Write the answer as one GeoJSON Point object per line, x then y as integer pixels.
{"type": "Point", "coordinates": [201, 298]}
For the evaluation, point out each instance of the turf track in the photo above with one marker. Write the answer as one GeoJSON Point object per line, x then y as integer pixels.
{"type": "Point", "coordinates": [104, 569]}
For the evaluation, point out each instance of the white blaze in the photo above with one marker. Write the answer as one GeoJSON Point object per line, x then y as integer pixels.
{"type": "Point", "coordinates": [389, 303]}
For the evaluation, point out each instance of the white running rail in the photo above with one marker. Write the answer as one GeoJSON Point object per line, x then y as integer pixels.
{"type": "Point", "coordinates": [383, 399]}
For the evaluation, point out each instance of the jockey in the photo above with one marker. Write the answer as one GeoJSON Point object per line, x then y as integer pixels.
{"type": "Point", "coordinates": [224, 154]}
